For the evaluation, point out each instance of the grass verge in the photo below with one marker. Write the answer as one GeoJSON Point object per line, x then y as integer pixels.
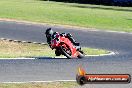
{"type": "Point", "coordinates": [40, 85]}
{"type": "Point", "coordinates": [15, 49]}
{"type": "Point", "coordinates": [84, 15]}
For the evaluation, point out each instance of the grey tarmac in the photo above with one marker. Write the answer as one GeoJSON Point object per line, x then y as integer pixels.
{"type": "Point", "coordinates": [49, 69]}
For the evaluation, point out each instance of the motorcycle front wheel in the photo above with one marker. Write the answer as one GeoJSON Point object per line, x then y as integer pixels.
{"type": "Point", "coordinates": [66, 51]}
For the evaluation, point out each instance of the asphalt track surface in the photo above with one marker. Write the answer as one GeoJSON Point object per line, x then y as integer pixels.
{"type": "Point", "coordinates": [49, 69]}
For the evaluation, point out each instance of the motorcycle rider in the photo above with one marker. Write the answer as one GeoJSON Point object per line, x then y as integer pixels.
{"type": "Point", "coordinates": [50, 34]}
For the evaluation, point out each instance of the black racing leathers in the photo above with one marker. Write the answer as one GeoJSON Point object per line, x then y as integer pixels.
{"type": "Point", "coordinates": [67, 35]}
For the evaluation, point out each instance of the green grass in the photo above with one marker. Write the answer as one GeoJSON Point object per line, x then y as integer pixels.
{"type": "Point", "coordinates": [91, 51]}
{"type": "Point", "coordinates": [90, 16]}
{"type": "Point", "coordinates": [40, 85]}
{"type": "Point", "coordinates": [14, 49]}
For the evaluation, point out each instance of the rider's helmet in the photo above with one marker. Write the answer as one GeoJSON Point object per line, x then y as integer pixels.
{"type": "Point", "coordinates": [49, 32]}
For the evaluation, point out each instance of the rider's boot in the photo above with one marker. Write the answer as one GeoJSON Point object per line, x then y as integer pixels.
{"type": "Point", "coordinates": [70, 37]}
{"type": "Point", "coordinates": [74, 42]}
{"type": "Point", "coordinates": [77, 45]}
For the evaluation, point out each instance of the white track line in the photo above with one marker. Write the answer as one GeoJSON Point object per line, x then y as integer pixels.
{"type": "Point", "coordinates": [17, 58]}
{"type": "Point", "coordinates": [41, 81]}
{"type": "Point", "coordinates": [23, 58]}
{"type": "Point", "coordinates": [111, 53]}
{"type": "Point", "coordinates": [108, 31]}
{"type": "Point", "coordinates": [22, 41]}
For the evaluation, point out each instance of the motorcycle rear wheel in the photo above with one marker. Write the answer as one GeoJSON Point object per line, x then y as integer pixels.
{"type": "Point", "coordinates": [81, 54]}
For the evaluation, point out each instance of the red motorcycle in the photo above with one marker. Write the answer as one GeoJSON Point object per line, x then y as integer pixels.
{"type": "Point", "coordinates": [65, 47]}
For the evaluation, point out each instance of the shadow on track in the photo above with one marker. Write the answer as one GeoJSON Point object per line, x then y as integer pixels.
{"type": "Point", "coordinates": [49, 57]}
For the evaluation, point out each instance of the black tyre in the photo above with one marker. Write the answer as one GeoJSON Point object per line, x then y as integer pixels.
{"type": "Point", "coordinates": [81, 54]}
{"type": "Point", "coordinates": [65, 53]}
